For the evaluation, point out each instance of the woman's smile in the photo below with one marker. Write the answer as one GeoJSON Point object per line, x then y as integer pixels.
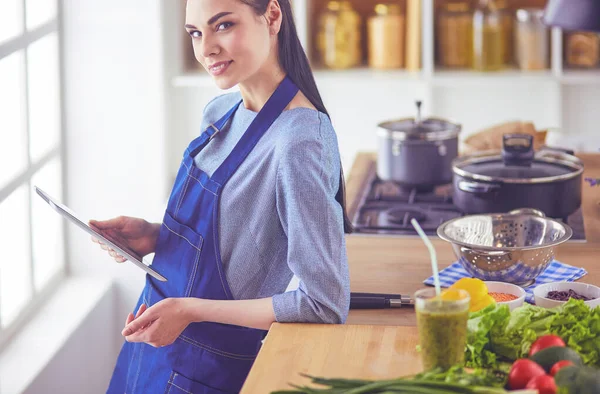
{"type": "Point", "coordinates": [219, 68]}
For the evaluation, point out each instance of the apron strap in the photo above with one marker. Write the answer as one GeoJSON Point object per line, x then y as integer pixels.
{"type": "Point", "coordinates": [200, 142]}
{"type": "Point", "coordinates": [274, 106]}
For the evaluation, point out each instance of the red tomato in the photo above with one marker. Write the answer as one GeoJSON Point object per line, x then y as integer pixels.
{"type": "Point", "coordinates": [544, 384]}
{"type": "Point", "coordinates": [522, 371]}
{"type": "Point", "coordinates": [545, 341]}
{"type": "Point", "coordinates": [561, 364]}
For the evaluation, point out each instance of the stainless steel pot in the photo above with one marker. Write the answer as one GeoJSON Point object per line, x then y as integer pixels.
{"type": "Point", "coordinates": [417, 153]}
{"type": "Point", "coordinates": [548, 180]}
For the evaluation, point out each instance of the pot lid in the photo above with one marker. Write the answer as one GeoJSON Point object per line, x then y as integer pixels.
{"type": "Point", "coordinates": [518, 164]}
{"type": "Point", "coordinates": [418, 128]}
{"type": "Point", "coordinates": [495, 167]}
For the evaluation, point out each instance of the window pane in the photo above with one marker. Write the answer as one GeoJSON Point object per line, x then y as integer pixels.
{"type": "Point", "coordinates": [13, 136]}
{"type": "Point", "coordinates": [44, 106]}
{"type": "Point", "coordinates": [15, 264]}
{"type": "Point", "coordinates": [48, 237]}
{"type": "Point", "coordinates": [39, 12]}
{"type": "Point", "coordinates": [11, 19]}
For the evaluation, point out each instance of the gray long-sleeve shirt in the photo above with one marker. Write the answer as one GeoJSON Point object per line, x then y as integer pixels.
{"type": "Point", "coordinates": [278, 214]}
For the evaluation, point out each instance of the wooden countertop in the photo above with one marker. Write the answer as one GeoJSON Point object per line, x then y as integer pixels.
{"type": "Point", "coordinates": [381, 343]}
{"type": "Point", "coordinates": [341, 351]}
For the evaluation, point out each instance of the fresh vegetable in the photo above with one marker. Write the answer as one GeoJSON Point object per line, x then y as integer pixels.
{"type": "Point", "coordinates": [454, 380]}
{"type": "Point", "coordinates": [559, 365]}
{"type": "Point", "coordinates": [548, 357]}
{"type": "Point", "coordinates": [522, 371]}
{"type": "Point", "coordinates": [494, 333]}
{"type": "Point", "coordinates": [578, 380]}
{"type": "Point", "coordinates": [477, 290]}
{"type": "Point", "coordinates": [457, 374]}
{"type": "Point", "coordinates": [544, 384]}
{"type": "Point", "coordinates": [544, 342]}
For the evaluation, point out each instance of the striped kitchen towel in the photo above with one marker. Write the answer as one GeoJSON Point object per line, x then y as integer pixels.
{"type": "Point", "coordinates": [555, 272]}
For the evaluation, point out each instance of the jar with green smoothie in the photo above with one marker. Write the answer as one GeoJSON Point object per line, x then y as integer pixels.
{"type": "Point", "coordinates": [442, 325]}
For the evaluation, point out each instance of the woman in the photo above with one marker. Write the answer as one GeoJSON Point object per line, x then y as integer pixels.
{"type": "Point", "coordinates": [258, 198]}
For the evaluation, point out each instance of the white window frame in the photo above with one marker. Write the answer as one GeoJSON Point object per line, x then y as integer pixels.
{"type": "Point", "coordinates": [12, 45]}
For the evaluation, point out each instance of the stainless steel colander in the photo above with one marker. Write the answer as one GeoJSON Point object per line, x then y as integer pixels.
{"type": "Point", "coordinates": [512, 247]}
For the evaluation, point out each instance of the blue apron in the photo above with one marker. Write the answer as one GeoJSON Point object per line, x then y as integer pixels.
{"type": "Point", "coordinates": [207, 357]}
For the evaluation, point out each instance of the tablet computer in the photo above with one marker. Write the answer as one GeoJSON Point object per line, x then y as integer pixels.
{"type": "Point", "coordinates": [121, 249]}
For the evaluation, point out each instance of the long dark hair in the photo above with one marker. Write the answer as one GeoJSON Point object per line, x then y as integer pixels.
{"type": "Point", "coordinates": [295, 63]}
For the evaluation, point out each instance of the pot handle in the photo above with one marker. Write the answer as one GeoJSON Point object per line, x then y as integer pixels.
{"type": "Point", "coordinates": [517, 150]}
{"type": "Point", "coordinates": [478, 188]}
{"type": "Point", "coordinates": [559, 153]}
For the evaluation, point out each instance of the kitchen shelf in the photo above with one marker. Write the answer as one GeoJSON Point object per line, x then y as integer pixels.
{"type": "Point", "coordinates": [370, 73]}
{"type": "Point", "coordinates": [581, 77]}
{"type": "Point", "coordinates": [452, 78]}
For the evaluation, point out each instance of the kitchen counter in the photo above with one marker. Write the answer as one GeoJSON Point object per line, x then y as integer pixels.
{"type": "Point", "coordinates": [380, 344]}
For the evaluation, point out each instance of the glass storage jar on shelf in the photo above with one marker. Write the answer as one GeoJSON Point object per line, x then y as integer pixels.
{"type": "Point", "coordinates": [507, 17]}
{"type": "Point", "coordinates": [582, 49]}
{"type": "Point", "coordinates": [386, 32]}
{"type": "Point", "coordinates": [338, 36]}
{"type": "Point", "coordinates": [531, 40]}
{"type": "Point", "coordinates": [488, 37]}
{"type": "Point", "coordinates": [454, 35]}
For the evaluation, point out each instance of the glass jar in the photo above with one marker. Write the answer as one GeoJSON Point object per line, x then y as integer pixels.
{"type": "Point", "coordinates": [454, 35]}
{"type": "Point", "coordinates": [532, 40]}
{"type": "Point", "coordinates": [582, 49]}
{"type": "Point", "coordinates": [508, 25]}
{"type": "Point", "coordinates": [386, 37]}
{"type": "Point", "coordinates": [488, 34]}
{"type": "Point", "coordinates": [338, 37]}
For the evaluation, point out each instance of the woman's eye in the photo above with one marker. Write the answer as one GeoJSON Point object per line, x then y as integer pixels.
{"type": "Point", "coordinates": [195, 34]}
{"type": "Point", "coordinates": [224, 26]}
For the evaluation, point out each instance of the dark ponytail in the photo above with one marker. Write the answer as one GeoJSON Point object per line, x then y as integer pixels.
{"type": "Point", "coordinates": [295, 63]}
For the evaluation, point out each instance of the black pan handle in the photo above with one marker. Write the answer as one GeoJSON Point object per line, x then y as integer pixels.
{"type": "Point", "coordinates": [369, 303]}
{"type": "Point", "coordinates": [478, 188]}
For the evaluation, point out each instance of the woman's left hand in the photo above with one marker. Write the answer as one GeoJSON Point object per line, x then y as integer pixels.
{"type": "Point", "coordinates": [159, 325]}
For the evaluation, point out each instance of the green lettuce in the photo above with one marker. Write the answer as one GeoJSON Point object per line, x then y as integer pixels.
{"type": "Point", "coordinates": [495, 334]}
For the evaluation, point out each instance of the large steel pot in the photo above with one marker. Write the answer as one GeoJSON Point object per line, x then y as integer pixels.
{"type": "Point", "coordinates": [417, 153]}
{"type": "Point", "coordinates": [548, 180]}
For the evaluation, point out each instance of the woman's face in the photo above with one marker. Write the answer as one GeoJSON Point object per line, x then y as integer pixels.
{"type": "Point", "coordinates": [229, 39]}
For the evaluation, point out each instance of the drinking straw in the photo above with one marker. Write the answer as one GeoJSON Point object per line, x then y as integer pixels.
{"type": "Point", "coordinates": [434, 265]}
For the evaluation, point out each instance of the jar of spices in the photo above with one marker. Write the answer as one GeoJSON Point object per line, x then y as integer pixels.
{"type": "Point", "coordinates": [582, 49]}
{"type": "Point", "coordinates": [338, 37]}
{"type": "Point", "coordinates": [531, 39]}
{"type": "Point", "coordinates": [386, 37]}
{"type": "Point", "coordinates": [454, 35]}
{"type": "Point", "coordinates": [488, 37]}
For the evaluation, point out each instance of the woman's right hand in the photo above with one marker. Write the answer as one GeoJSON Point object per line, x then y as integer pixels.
{"type": "Point", "coordinates": [134, 233]}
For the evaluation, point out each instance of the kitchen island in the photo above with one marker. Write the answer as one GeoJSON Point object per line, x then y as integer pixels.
{"type": "Point", "coordinates": [377, 344]}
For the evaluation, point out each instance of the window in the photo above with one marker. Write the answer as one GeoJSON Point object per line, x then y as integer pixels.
{"type": "Point", "coordinates": [32, 237]}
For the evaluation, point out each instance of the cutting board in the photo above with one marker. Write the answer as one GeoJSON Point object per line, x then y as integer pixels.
{"type": "Point", "coordinates": [346, 351]}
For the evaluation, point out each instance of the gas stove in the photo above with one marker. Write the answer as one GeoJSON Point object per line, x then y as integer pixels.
{"type": "Point", "coordinates": [387, 208]}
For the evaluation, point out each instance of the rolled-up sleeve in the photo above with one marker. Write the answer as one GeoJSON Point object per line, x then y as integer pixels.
{"type": "Point", "coordinates": [307, 182]}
